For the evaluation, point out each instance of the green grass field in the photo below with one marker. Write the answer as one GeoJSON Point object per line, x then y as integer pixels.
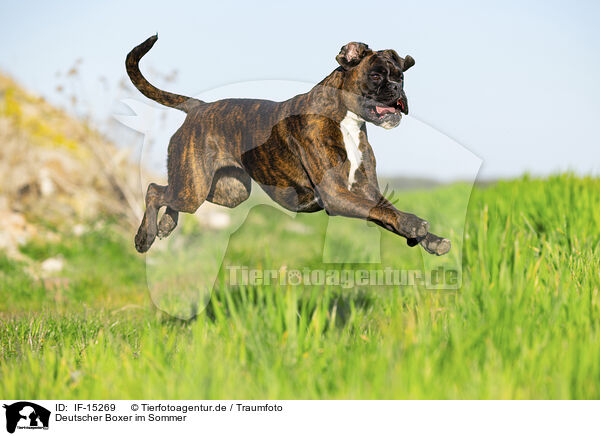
{"type": "Point", "coordinates": [524, 324]}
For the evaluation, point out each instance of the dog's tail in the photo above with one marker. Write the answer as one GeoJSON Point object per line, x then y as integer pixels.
{"type": "Point", "coordinates": [169, 99]}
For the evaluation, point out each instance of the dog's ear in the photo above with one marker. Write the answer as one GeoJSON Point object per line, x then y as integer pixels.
{"type": "Point", "coordinates": [351, 54]}
{"type": "Point", "coordinates": [408, 62]}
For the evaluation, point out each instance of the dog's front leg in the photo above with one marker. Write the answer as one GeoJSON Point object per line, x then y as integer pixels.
{"type": "Point", "coordinates": [338, 200]}
{"type": "Point", "coordinates": [413, 228]}
{"type": "Point", "coordinates": [329, 175]}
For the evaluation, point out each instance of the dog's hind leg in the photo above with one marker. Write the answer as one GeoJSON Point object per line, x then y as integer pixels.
{"type": "Point", "coordinates": [190, 171]}
{"type": "Point", "coordinates": [155, 199]}
{"type": "Point", "coordinates": [184, 200]}
{"type": "Point", "coordinates": [182, 196]}
{"type": "Point", "coordinates": [230, 186]}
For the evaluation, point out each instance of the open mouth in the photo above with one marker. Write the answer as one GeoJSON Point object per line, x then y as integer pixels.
{"type": "Point", "coordinates": [379, 110]}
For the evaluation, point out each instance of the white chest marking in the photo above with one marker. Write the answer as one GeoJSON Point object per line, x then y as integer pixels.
{"type": "Point", "coordinates": [350, 127]}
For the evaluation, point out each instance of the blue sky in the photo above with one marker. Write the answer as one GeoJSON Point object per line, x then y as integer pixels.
{"type": "Point", "coordinates": [515, 82]}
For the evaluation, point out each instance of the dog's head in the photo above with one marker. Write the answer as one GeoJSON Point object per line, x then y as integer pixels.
{"type": "Point", "coordinates": [373, 83]}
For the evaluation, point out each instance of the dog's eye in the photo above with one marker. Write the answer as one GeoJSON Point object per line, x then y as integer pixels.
{"type": "Point", "coordinates": [375, 76]}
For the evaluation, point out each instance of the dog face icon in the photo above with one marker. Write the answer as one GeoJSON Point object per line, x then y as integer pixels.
{"type": "Point", "coordinates": [27, 414]}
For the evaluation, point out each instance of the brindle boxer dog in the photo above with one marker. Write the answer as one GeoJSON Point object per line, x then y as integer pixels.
{"type": "Point", "coordinates": [308, 153]}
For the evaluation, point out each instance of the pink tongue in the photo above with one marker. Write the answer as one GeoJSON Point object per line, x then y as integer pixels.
{"type": "Point", "coordinates": [384, 110]}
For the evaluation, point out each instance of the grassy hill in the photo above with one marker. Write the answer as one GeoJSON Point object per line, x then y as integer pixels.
{"type": "Point", "coordinates": [524, 324]}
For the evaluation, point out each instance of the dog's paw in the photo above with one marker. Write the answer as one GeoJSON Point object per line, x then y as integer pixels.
{"type": "Point", "coordinates": [433, 244]}
{"type": "Point", "coordinates": [143, 241]}
{"type": "Point", "coordinates": [422, 229]}
{"type": "Point", "coordinates": [166, 226]}
{"type": "Point", "coordinates": [414, 227]}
